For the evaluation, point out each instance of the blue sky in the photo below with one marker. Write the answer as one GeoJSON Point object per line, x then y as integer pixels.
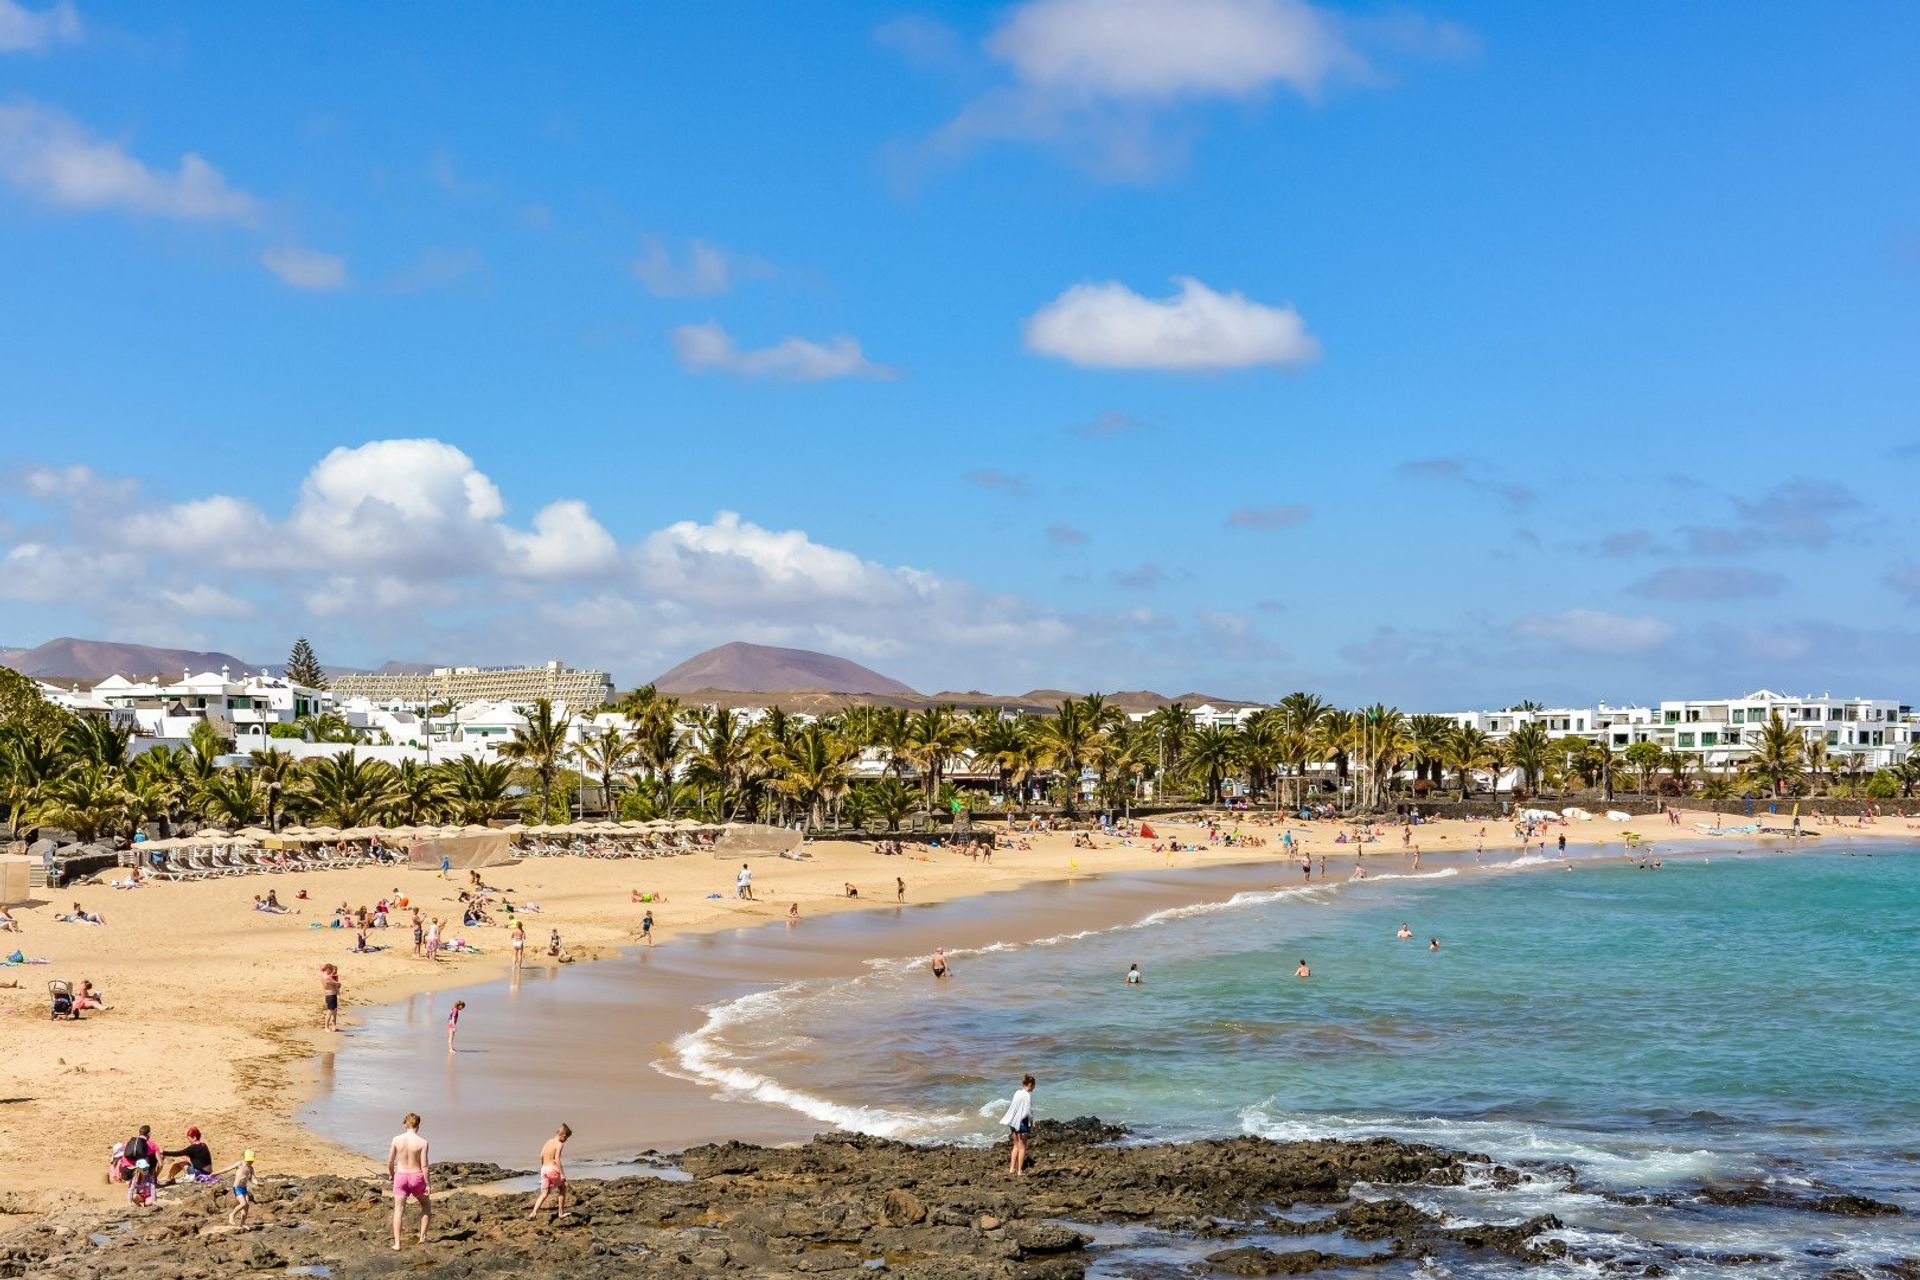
{"type": "Point", "coordinates": [1449, 355]}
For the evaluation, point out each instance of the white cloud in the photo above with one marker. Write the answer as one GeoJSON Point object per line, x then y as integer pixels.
{"type": "Point", "coordinates": [703, 347]}
{"type": "Point", "coordinates": [1117, 84]}
{"type": "Point", "coordinates": [55, 159]}
{"type": "Point", "coordinates": [24, 30]}
{"type": "Point", "coordinates": [1595, 631]}
{"type": "Point", "coordinates": [566, 542]}
{"type": "Point", "coordinates": [307, 268]}
{"type": "Point", "coordinates": [204, 600]}
{"type": "Point", "coordinates": [1109, 326]}
{"type": "Point", "coordinates": [707, 271]}
{"type": "Point", "coordinates": [409, 545]}
{"type": "Point", "coordinates": [221, 529]}
{"type": "Point", "coordinates": [1164, 48]}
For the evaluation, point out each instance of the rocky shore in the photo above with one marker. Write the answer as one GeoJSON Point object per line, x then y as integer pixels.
{"type": "Point", "coordinates": [841, 1203]}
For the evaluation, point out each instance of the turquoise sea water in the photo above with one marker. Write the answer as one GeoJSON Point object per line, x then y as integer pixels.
{"type": "Point", "coordinates": [1622, 1032]}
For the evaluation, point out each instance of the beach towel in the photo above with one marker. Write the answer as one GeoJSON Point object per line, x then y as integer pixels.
{"type": "Point", "coordinates": [18, 958]}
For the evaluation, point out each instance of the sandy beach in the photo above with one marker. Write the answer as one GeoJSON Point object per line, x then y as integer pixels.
{"type": "Point", "coordinates": [216, 1012]}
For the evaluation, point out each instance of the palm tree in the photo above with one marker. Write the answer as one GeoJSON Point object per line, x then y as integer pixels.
{"type": "Point", "coordinates": [420, 792]}
{"type": "Point", "coordinates": [275, 768]}
{"type": "Point", "coordinates": [87, 800]}
{"type": "Point", "coordinates": [1334, 740]}
{"type": "Point", "coordinates": [933, 736]}
{"type": "Point", "coordinates": [29, 763]}
{"type": "Point", "coordinates": [1606, 763]}
{"type": "Point", "coordinates": [891, 800]}
{"type": "Point", "coordinates": [1065, 739]}
{"type": "Point", "coordinates": [1168, 729]}
{"type": "Point", "coordinates": [1777, 753]}
{"type": "Point", "coordinates": [1526, 750]}
{"type": "Point", "coordinates": [1680, 768]}
{"type": "Point", "coordinates": [540, 746]}
{"type": "Point", "coordinates": [891, 734]}
{"type": "Point", "coordinates": [658, 743]}
{"type": "Point", "coordinates": [723, 753]}
{"type": "Point", "coordinates": [94, 739]}
{"type": "Point", "coordinates": [1263, 747]}
{"type": "Point", "coordinates": [606, 754]}
{"type": "Point", "coordinates": [232, 798]}
{"type": "Point", "coordinates": [342, 791]}
{"type": "Point", "coordinates": [814, 768]}
{"type": "Point", "coordinates": [1430, 736]}
{"type": "Point", "coordinates": [1300, 716]}
{"type": "Point", "coordinates": [1383, 741]}
{"type": "Point", "coordinates": [999, 744]}
{"type": "Point", "coordinates": [476, 790]}
{"type": "Point", "coordinates": [1468, 749]}
{"type": "Point", "coordinates": [1214, 751]}
{"type": "Point", "coordinates": [1817, 757]}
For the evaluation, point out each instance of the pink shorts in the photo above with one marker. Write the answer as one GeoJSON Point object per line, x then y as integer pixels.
{"type": "Point", "coordinates": [551, 1178]}
{"type": "Point", "coordinates": [410, 1182]}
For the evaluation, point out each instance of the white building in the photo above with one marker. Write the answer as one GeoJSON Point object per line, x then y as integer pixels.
{"type": "Point", "coordinates": [243, 709]}
{"type": "Point", "coordinates": [1722, 731]}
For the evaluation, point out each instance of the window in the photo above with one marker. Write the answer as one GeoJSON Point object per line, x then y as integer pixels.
{"type": "Point", "coordinates": [1686, 739]}
{"type": "Point", "coordinates": [1709, 739]}
{"type": "Point", "coordinates": [1671, 717]}
{"type": "Point", "coordinates": [1739, 716]}
{"type": "Point", "coordinates": [1833, 737]}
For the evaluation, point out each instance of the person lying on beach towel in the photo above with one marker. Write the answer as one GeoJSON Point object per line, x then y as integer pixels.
{"type": "Point", "coordinates": [7, 923]}
{"type": "Point", "coordinates": [78, 916]}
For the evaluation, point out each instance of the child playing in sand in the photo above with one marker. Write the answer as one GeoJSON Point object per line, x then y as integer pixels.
{"type": "Point", "coordinates": [140, 1190]}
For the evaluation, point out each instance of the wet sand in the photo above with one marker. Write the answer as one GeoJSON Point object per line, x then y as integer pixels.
{"type": "Point", "coordinates": [592, 1045]}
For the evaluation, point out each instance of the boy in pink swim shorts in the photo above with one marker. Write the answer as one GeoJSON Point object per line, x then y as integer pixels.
{"type": "Point", "coordinates": [407, 1164]}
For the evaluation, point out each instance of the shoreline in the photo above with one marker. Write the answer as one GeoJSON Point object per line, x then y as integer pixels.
{"type": "Point", "coordinates": [236, 1030]}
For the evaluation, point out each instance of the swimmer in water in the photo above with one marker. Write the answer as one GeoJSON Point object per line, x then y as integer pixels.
{"type": "Point", "coordinates": [1303, 971]}
{"type": "Point", "coordinates": [1404, 933]}
{"type": "Point", "coordinates": [939, 965]}
{"type": "Point", "coordinates": [1433, 944]}
{"type": "Point", "coordinates": [1133, 975]}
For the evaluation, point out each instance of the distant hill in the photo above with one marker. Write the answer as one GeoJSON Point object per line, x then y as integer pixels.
{"type": "Point", "coordinates": [98, 659]}
{"type": "Point", "coordinates": [757, 668]}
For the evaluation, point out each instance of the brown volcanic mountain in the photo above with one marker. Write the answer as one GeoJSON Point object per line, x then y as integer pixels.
{"type": "Point", "coordinates": [757, 668]}
{"type": "Point", "coordinates": [98, 659]}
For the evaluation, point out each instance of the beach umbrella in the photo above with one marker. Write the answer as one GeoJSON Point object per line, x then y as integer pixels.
{"type": "Point", "coordinates": [514, 828]}
{"type": "Point", "coordinates": [255, 833]}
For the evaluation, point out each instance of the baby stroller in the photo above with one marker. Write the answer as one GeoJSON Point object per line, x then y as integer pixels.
{"type": "Point", "coordinates": [63, 1002]}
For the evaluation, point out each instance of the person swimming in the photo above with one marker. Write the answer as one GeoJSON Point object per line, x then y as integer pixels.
{"type": "Point", "coordinates": [1303, 971]}
{"type": "Point", "coordinates": [939, 965]}
{"type": "Point", "coordinates": [1133, 975]}
{"type": "Point", "coordinates": [1404, 933]}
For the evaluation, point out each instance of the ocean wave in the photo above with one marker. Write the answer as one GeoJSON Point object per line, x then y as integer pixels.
{"type": "Point", "coordinates": [1616, 1165]}
{"type": "Point", "coordinates": [700, 1056]}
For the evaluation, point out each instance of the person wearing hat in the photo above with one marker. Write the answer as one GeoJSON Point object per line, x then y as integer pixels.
{"type": "Point", "coordinates": [242, 1188]}
{"type": "Point", "coordinates": [140, 1188]}
{"type": "Point", "coordinates": [192, 1160]}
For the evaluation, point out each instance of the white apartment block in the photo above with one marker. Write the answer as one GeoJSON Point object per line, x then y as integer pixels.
{"type": "Point", "coordinates": [456, 685]}
{"type": "Point", "coordinates": [1721, 731]}
{"type": "Point", "coordinates": [243, 709]}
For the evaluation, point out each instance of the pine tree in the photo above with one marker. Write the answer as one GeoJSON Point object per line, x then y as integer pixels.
{"type": "Point", "coordinates": [304, 668]}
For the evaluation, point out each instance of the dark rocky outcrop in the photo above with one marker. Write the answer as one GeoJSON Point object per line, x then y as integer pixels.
{"type": "Point", "coordinates": [839, 1205]}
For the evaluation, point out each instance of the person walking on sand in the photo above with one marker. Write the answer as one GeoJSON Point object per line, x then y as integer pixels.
{"type": "Point", "coordinates": [453, 1022]}
{"type": "Point", "coordinates": [446, 865]}
{"type": "Point", "coordinates": [519, 936]}
{"type": "Point", "coordinates": [743, 883]}
{"type": "Point", "coordinates": [407, 1165]}
{"type": "Point", "coordinates": [899, 889]}
{"type": "Point", "coordinates": [433, 939]}
{"type": "Point", "coordinates": [646, 926]}
{"type": "Point", "coordinates": [553, 1174]}
{"type": "Point", "coordinates": [1019, 1122]}
{"type": "Point", "coordinates": [330, 995]}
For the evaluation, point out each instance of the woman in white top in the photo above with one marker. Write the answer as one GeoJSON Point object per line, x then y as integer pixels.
{"type": "Point", "coordinates": [1019, 1122]}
